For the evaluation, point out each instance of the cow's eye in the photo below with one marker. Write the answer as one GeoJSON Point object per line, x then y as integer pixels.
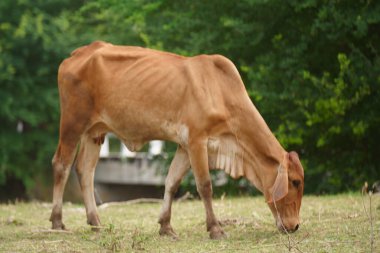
{"type": "Point", "coordinates": [296, 183]}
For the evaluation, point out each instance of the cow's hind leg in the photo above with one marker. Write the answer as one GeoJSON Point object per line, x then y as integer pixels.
{"type": "Point", "coordinates": [178, 168]}
{"type": "Point", "coordinates": [199, 163]}
{"type": "Point", "coordinates": [62, 161]}
{"type": "Point", "coordinates": [87, 159]}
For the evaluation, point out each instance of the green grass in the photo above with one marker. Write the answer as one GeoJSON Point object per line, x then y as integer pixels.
{"type": "Point", "coordinates": [329, 224]}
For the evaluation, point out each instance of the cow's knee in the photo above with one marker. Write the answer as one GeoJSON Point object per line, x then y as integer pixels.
{"type": "Point", "coordinates": [171, 187]}
{"type": "Point", "coordinates": [205, 189]}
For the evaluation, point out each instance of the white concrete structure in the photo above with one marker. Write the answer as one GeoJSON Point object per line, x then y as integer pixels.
{"type": "Point", "coordinates": [155, 148]}
{"type": "Point", "coordinates": [138, 169]}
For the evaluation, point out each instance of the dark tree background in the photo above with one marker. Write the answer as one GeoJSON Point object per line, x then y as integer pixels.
{"type": "Point", "coordinates": [311, 67]}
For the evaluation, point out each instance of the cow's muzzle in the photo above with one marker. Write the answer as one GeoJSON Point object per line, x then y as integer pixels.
{"type": "Point", "coordinates": [287, 229]}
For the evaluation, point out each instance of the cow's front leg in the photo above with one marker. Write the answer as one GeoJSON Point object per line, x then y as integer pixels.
{"type": "Point", "coordinates": [199, 163]}
{"type": "Point", "coordinates": [178, 168]}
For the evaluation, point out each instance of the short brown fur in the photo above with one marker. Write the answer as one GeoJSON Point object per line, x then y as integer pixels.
{"type": "Point", "coordinates": [198, 102]}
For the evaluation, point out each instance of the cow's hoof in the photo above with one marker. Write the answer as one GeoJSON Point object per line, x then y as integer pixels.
{"type": "Point", "coordinates": [58, 225]}
{"type": "Point", "coordinates": [217, 234]}
{"type": "Point", "coordinates": [94, 221]}
{"type": "Point", "coordinates": [168, 231]}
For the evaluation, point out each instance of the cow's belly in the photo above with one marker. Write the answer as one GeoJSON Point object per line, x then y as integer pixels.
{"type": "Point", "coordinates": [145, 127]}
{"type": "Point", "coordinates": [136, 139]}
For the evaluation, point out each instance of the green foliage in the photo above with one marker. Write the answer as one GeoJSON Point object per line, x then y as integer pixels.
{"type": "Point", "coordinates": [311, 67]}
{"type": "Point", "coordinates": [32, 43]}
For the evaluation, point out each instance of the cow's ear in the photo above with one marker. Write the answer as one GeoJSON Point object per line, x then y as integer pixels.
{"type": "Point", "coordinates": [280, 187]}
{"type": "Point", "coordinates": [296, 163]}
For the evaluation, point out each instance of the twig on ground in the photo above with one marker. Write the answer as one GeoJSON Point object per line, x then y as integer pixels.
{"type": "Point", "coordinates": [52, 231]}
{"type": "Point", "coordinates": [186, 196]}
{"type": "Point", "coordinates": [130, 202]}
{"type": "Point", "coordinates": [56, 241]}
{"type": "Point", "coordinates": [291, 244]}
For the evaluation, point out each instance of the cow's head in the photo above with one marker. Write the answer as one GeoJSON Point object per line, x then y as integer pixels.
{"type": "Point", "coordinates": [286, 193]}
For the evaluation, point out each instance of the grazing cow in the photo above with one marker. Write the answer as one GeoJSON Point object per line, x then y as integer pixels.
{"type": "Point", "coordinates": [198, 102]}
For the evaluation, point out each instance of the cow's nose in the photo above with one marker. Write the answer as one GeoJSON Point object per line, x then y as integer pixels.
{"type": "Point", "coordinates": [294, 229]}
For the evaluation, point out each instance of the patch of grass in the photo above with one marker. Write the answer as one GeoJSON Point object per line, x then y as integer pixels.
{"type": "Point", "coordinates": [329, 224]}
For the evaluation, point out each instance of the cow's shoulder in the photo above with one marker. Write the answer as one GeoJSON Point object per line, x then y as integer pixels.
{"type": "Point", "coordinates": [224, 64]}
{"type": "Point", "coordinates": [216, 64]}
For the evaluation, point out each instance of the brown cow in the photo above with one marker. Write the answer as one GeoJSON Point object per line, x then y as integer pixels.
{"type": "Point", "coordinates": [198, 102]}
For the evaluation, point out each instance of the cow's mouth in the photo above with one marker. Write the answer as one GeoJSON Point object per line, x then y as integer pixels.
{"type": "Point", "coordinates": [287, 229]}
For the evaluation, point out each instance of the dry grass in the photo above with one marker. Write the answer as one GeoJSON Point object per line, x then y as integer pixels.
{"type": "Point", "coordinates": [330, 224]}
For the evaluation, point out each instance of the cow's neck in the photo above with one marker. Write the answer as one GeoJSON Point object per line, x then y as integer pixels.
{"type": "Point", "coordinates": [262, 153]}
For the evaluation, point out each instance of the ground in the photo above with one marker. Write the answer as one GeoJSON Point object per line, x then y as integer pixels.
{"type": "Point", "coordinates": [329, 224]}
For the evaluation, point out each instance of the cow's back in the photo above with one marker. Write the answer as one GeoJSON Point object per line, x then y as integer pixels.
{"type": "Point", "coordinates": [143, 94]}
